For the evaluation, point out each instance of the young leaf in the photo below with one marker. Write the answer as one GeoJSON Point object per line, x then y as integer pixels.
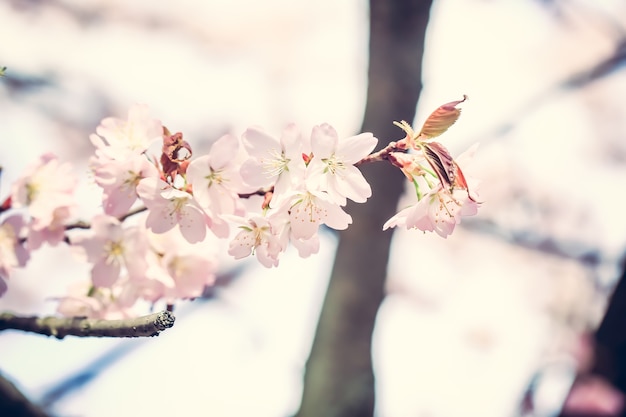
{"type": "Point", "coordinates": [441, 119]}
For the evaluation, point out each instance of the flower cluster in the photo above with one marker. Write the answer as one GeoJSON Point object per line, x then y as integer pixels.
{"type": "Point", "coordinates": [162, 215]}
{"type": "Point", "coordinates": [448, 196]}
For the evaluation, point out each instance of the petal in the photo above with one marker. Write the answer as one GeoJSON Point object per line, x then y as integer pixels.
{"type": "Point", "coordinates": [219, 228]}
{"type": "Point", "coordinates": [355, 148]}
{"type": "Point", "coordinates": [253, 173]}
{"type": "Point", "coordinates": [193, 224]}
{"type": "Point", "coordinates": [353, 185]}
{"type": "Point", "coordinates": [292, 143]}
{"type": "Point", "coordinates": [399, 219]}
{"type": "Point", "coordinates": [198, 169]}
{"type": "Point", "coordinates": [324, 140]}
{"type": "Point", "coordinates": [149, 190]}
{"type": "Point", "coordinates": [104, 274]}
{"type": "Point", "coordinates": [337, 218]}
{"type": "Point", "coordinates": [257, 142]}
{"type": "Point", "coordinates": [223, 151]}
{"type": "Point", "coordinates": [303, 224]}
{"type": "Point", "coordinates": [418, 217]}
{"type": "Point", "coordinates": [265, 257]}
{"type": "Point", "coordinates": [241, 245]}
{"type": "Point", "coordinates": [307, 247]}
{"type": "Point", "coordinates": [159, 220]}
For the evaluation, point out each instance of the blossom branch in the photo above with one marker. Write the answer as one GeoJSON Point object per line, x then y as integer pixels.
{"type": "Point", "coordinates": [150, 325]}
{"type": "Point", "coordinates": [304, 183]}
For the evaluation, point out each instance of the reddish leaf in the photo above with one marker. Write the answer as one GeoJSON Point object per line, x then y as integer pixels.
{"type": "Point", "coordinates": [448, 171]}
{"type": "Point", "coordinates": [441, 162]}
{"type": "Point", "coordinates": [441, 119]}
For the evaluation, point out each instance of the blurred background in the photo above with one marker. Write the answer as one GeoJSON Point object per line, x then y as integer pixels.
{"type": "Point", "coordinates": [518, 313]}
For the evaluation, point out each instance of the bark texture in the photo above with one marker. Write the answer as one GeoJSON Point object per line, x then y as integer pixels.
{"type": "Point", "coordinates": [339, 380]}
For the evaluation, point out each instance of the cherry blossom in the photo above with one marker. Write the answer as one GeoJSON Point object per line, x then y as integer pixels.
{"type": "Point", "coordinates": [119, 180]}
{"type": "Point", "coordinates": [332, 167]}
{"type": "Point", "coordinates": [117, 139]}
{"type": "Point", "coordinates": [46, 186]}
{"type": "Point", "coordinates": [169, 207]}
{"type": "Point", "coordinates": [177, 269]}
{"type": "Point", "coordinates": [256, 236]}
{"type": "Point", "coordinates": [184, 275]}
{"type": "Point", "coordinates": [53, 233]}
{"type": "Point", "coordinates": [85, 300]}
{"type": "Point", "coordinates": [439, 210]}
{"type": "Point", "coordinates": [273, 162]}
{"type": "Point", "coordinates": [311, 209]}
{"type": "Point", "coordinates": [111, 247]}
{"type": "Point", "coordinates": [215, 178]}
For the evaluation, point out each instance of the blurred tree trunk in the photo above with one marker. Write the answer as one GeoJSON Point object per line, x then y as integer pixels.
{"type": "Point", "coordinates": [339, 380]}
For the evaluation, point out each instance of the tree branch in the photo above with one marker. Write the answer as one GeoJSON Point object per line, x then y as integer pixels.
{"type": "Point", "coordinates": [85, 225]}
{"type": "Point", "coordinates": [150, 325]}
{"type": "Point", "coordinates": [383, 154]}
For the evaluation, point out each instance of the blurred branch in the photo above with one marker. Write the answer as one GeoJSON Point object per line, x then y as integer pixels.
{"type": "Point", "coordinates": [599, 70]}
{"type": "Point", "coordinates": [605, 67]}
{"type": "Point", "coordinates": [150, 325]}
{"type": "Point", "coordinates": [13, 403]}
{"type": "Point", "coordinates": [535, 240]}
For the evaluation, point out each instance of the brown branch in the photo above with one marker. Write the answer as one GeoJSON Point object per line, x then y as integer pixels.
{"type": "Point", "coordinates": [150, 325]}
{"type": "Point", "coordinates": [13, 402]}
{"type": "Point", "coordinates": [262, 192]}
{"type": "Point", "coordinates": [383, 154]}
{"type": "Point", "coordinates": [86, 225]}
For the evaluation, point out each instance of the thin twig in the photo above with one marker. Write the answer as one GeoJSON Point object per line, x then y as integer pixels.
{"type": "Point", "coordinates": [150, 325]}
{"type": "Point", "coordinates": [260, 192]}
{"type": "Point", "coordinates": [86, 225]}
{"type": "Point", "coordinates": [383, 154]}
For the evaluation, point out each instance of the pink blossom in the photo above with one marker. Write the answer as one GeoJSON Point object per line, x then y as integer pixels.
{"type": "Point", "coordinates": [332, 168]}
{"type": "Point", "coordinates": [273, 162]}
{"type": "Point", "coordinates": [257, 236]}
{"type": "Point", "coordinates": [85, 300]}
{"type": "Point", "coordinates": [119, 180]}
{"type": "Point", "coordinates": [46, 186]}
{"type": "Point", "coordinates": [111, 247]}
{"type": "Point", "coordinates": [439, 210]}
{"type": "Point", "coordinates": [169, 207]}
{"type": "Point", "coordinates": [178, 269]}
{"type": "Point", "coordinates": [215, 178]}
{"type": "Point", "coordinates": [306, 247]}
{"type": "Point", "coordinates": [120, 138]}
{"type": "Point", "coordinates": [184, 275]}
{"type": "Point", "coordinates": [309, 210]}
{"type": "Point", "coordinates": [52, 233]}
{"type": "Point", "coordinates": [12, 252]}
